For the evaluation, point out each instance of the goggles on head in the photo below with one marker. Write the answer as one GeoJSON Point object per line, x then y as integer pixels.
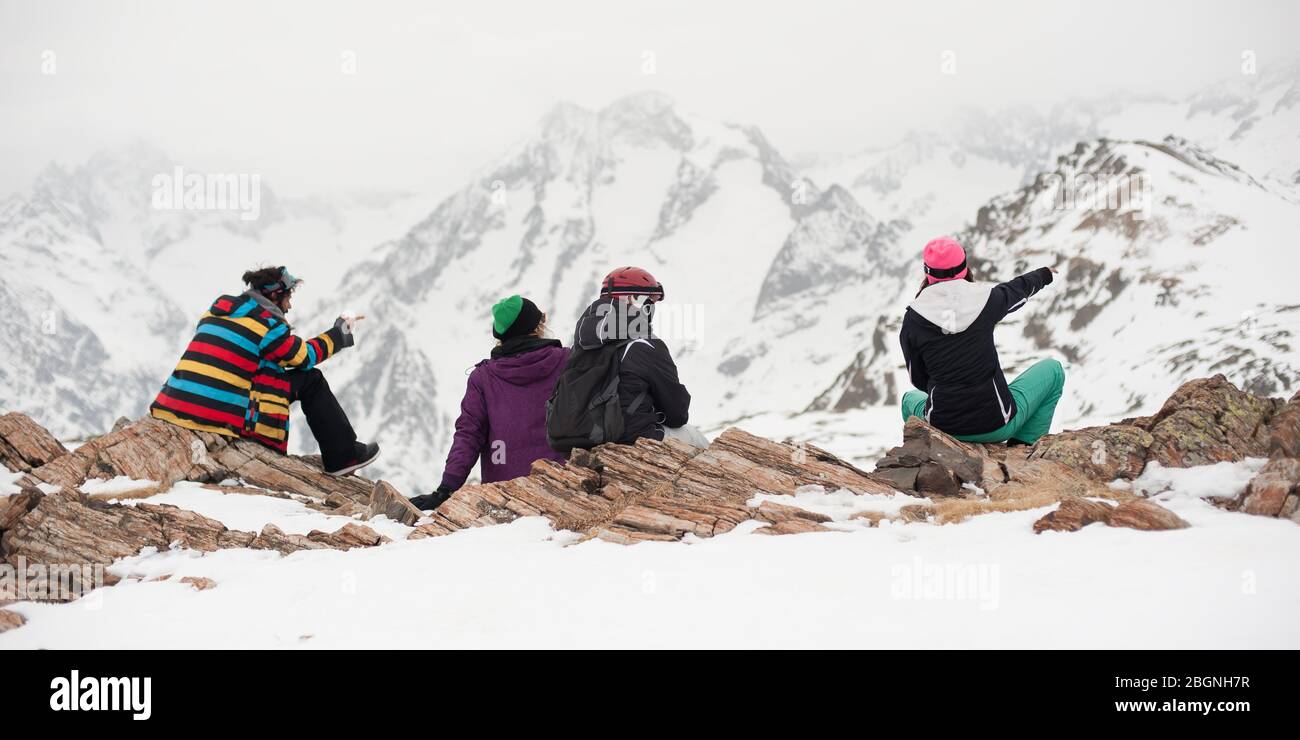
{"type": "Point", "coordinates": [286, 283]}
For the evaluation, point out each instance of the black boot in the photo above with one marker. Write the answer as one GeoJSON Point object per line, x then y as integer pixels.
{"type": "Point", "coordinates": [363, 454]}
{"type": "Point", "coordinates": [340, 451]}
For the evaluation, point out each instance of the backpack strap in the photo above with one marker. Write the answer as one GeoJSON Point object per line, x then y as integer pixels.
{"type": "Point", "coordinates": [627, 347]}
{"type": "Point", "coordinates": [636, 401]}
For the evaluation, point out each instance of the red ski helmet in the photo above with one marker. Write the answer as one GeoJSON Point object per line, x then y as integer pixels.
{"type": "Point", "coordinates": [631, 281]}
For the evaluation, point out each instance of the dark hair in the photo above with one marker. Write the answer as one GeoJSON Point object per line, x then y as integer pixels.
{"type": "Point", "coordinates": [261, 276]}
{"type": "Point", "coordinates": [925, 281]}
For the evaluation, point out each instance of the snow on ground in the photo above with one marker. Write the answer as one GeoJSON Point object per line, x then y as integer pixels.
{"type": "Point", "coordinates": [1231, 580]}
{"type": "Point", "coordinates": [1223, 480]}
{"type": "Point", "coordinates": [251, 512]}
{"type": "Point", "coordinates": [8, 481]}
{"type": "Point", "coordinates": [859, 436]}
{"type": "Point", "coordinates": [839, 505]}
{"type": "Point", "coordinates": [117, 485]}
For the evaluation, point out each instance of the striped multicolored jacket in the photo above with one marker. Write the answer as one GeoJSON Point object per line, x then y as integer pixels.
{"type": "Point", "coordinates": [231, 379]}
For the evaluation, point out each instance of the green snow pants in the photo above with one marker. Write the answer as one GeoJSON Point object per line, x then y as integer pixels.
{"type": "Point", "coordinates": [1036, 391]}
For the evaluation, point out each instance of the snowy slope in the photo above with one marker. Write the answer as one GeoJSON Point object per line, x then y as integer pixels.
{"type": "Point", "coordinates": [1228, 581]}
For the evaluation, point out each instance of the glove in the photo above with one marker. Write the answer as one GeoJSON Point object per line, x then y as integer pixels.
{"type": "Point", "coordinates": [344, 325]}
{"type": "Point", "coordinates": [431, 501]}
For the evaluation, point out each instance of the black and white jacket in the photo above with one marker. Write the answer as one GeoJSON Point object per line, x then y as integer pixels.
{"type": "Point", "coordinates": [947, 340]}
{"type": "Point", "coordinates": [649, 390]}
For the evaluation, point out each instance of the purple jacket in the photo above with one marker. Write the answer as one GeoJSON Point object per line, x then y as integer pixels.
{"type": "Point", "coordinates": [503, 415]}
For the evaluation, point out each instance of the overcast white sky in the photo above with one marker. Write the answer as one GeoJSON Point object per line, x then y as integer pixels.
{"type": "Point", "coordinates": [440, 88]}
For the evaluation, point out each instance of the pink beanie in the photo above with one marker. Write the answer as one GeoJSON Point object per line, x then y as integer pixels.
{"type": "Point", "coordinates": [944, 260]}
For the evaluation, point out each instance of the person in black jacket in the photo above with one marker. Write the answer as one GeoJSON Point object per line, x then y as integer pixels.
{"type": "Point", "coordinates": [655, 404]}
{"type": "Point", "coordinates": [947, 340]}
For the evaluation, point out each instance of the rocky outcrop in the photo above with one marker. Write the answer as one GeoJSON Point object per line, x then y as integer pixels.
{"type": "Point", "coordinates": [1145, 515]}
{"type": "Point", "coordinates": [388, 501]}
{"type": "Point", "coordinates": [53, 528]}
{"type": "Point", "coordinates": [1076, 513]}
{"type": "Point", "coordinates": [16, 506]}
{"type": "Point", "coordinates": [199, 583]}
{"type": "Point", "coordinates": [656, 490]}
{"type": "Point", "coordinates": [931, 463]}
{"type": "Point", "coordinates": [10, 620]}
{"type": "Point", "coordinates": [346, 538]}
{"type": "Point", "coordinates": [1284, 430]}
{"type": "Point", "coordinates": [149, 449]}
{"type": "Point", "coordinates": [68, 529]}
{"type": "Point", "coordinates": [1205, 421]}
{"type": "Point", "coordinates": [24, 444]}
{"type": "Point", "coordinates": [964, 480]}
{"type": "Point", "coordinates": [1275, 490]}
{"type": "Point", "coordinates": [650, 491]}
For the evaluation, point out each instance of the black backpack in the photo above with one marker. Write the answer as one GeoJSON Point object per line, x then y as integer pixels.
{"type": "Point", "coordinates": [584, 410]}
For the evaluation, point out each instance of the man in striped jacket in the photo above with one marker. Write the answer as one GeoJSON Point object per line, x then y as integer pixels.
{"type": "Point", "coordinates": [244, 367]}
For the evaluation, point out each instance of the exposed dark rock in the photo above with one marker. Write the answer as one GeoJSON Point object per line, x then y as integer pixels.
{"type": "Point", "coordinates": [1074, 514]}
{"type": "Point", "coordinates": [931, 462]}
{"type": "Point", "coordinates": [24, 444]}
{"type": "Point", "coordinates": [1145, 515]}
{"type": "Point", "coordinates": [1205, 421]}
{"type": "Point", "coordinates": [1276, 484]}
{"type": "Point", "coordinates": [386, 500]}
{"type": "Point", "coordinates": [11, 620]}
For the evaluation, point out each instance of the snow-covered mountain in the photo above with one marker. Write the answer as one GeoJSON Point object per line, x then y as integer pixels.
{"type": "Point", "coordinates": [1171, 262]}
{"type": "Point", "coordinates": [771, 280]}
{"type": "Point", "coordinates": [784, 284]}
{"type": "Point", "coordinates": [1182, 281]}
{"type": "Point", "coordinates": [935, 179]}
{"type": "Point", "coordinates": [100, 290]}
{"type": "Point", "coordinates": [1252, 120]}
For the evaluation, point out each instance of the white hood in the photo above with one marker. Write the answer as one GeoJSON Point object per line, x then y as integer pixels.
{"type": "Point", "coordinates": [952, 305]}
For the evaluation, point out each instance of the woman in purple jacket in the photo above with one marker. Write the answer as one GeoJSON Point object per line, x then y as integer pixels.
{"type": "Point", "coordinates": [502, 420]}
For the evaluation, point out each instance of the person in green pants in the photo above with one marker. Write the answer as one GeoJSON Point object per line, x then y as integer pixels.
{"type": "Point", "coordinates": [1035, 393]}
{"type": "Point", "coordinates": [947, 341]}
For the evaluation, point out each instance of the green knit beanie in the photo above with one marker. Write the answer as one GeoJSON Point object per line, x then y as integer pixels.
{"type": "Point", "coordinates": [514, 317]}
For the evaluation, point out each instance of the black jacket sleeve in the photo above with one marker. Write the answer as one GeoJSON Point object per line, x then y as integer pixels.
{"type": "Point", "coordinates": [1013, 294]}
{"type": "Point", "coordinates": [916, 371]}
{"type": "Point", "coordinates": [652, 361]}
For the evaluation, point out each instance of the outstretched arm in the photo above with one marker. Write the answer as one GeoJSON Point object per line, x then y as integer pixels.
{"type": "Point", "coordinates": [296, 353]}
{"type": "Point", "coordinates": [1011, 295]}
